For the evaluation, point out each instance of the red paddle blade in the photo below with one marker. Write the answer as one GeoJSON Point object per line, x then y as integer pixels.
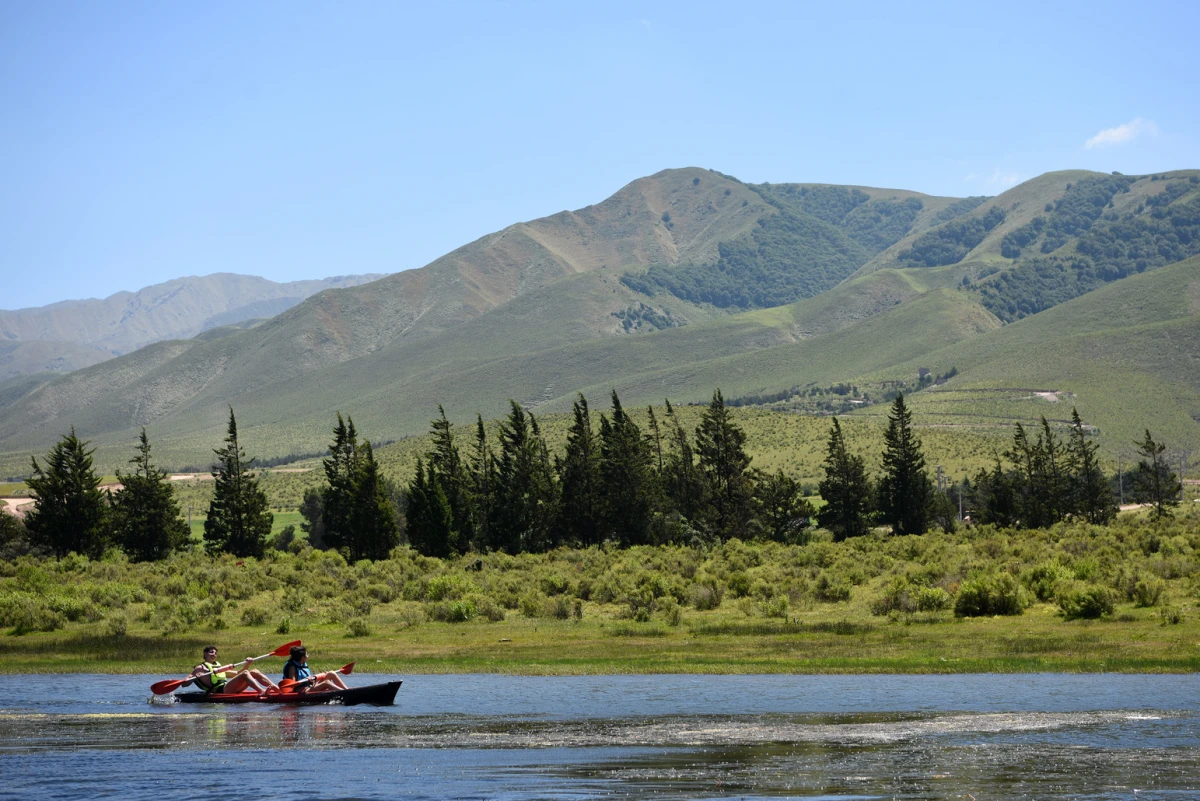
{"type": "Point", "coordinates": [285, 649]}
{"type": "Point", "coordinates": [347, 669]}
{"type": "Point", "coordinates": [166, 687]}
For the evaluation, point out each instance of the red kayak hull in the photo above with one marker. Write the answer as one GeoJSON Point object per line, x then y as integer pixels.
{"type": "Point", "coordinates": [373, 694]}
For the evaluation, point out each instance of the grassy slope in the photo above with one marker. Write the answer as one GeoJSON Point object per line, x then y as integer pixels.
{"type": "Point", "coordinates": [1125, 353]}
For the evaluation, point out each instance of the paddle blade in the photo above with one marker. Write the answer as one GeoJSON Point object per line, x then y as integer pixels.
{"type": "Point", "coordinates": [166, 687]}
{"type": "Point", "coordinates": [346, 670]}
{"type": "Point", "coordinates": [285, 649]}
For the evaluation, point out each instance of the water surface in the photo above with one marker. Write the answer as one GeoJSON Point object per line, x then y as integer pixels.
{"type": "Point", "coordinates": [686, 737]}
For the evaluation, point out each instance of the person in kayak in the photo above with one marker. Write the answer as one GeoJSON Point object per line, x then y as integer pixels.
{"type": "Point", "coordinates": [207, 677]}
{"type": "Point", "coordinates": [297, 669]}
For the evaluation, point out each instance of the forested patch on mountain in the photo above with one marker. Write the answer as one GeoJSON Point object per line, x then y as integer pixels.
{"type": "Point", "coordinates": [960, 207]}
{"type": "Point", "coordinates": [785, 258]}
{"type": "Point", "coordinates": [951, 242]}
{"type": "Point", "coordinates": [1071, 216]}
{"type": "Point", "coordinates": [1112, 247]}
{"type": "Point", "coordinates": [874, 224]}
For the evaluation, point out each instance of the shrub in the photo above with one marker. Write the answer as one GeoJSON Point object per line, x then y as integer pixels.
{"type": "Point", "coordinates": [253, 616]}
{"type": "Point", "coordinates": [1148, 591]}
{"type": "Point", "coordinates": [1043, 580]}
{"type": "Point", "coordinates": [897, 597]}
{"type": "Point", "coordinates": [933, 599]}
{"type": "Point", "coordinates": [359, 627]}
{"type": "Point", "coordinates": [116, 625]}
{"type": "Point", "coordinates": [995, 594]}
{"type": "Point", "coordinates": [739, 584]}
{"type": "Point", "coordinates": [1087, 601]}
{"type": "Point", "coordinates": [448, 588]}
{"type": "Point", "coordinates": [831, 589]}
{"type": "Point", "coordinates": [530, 605]}
{"type": "Point", "coordinates": [285, 625]}
{"type": "Point", "coordinates": [554, 584]}
{"type": "Point", "coordinates": [671, 611]}
{"type": "Point", "coordinates": [1170, 615]}
{"type": "Point", "coordinates": [775, 607]}
{"type": "Point", "coordinates": [705, 595]}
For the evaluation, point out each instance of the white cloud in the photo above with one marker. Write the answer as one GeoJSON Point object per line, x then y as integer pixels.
{"type": "Point", "coordinates": [997, 181]}
{"type": "Point", "coordinates": [1122, 134]}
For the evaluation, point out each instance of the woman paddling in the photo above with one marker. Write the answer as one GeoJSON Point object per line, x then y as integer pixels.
{"type": "Point", "coordinates": [297, 670]}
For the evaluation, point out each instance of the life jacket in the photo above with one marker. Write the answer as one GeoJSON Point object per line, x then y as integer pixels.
{"type": "Point", "coordinates": [215, 680]}
{"type": "Point", "coordinates": [302, 671]}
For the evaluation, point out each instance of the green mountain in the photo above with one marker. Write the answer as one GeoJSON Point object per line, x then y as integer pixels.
{"type": "Point", "coordinates": [690, 280]}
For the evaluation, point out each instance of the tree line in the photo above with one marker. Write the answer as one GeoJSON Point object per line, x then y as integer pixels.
{"type": "Point", "coordinates": [615, 482]}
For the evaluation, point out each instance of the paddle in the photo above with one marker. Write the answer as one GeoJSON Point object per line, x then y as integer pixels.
{"type": "Point", "coordinates": [290, 685]}
{"type": "Point", "coordinates": [171, 685]}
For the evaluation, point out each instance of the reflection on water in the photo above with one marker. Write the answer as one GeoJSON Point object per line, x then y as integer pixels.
{"type": "Point", "coordinates": [1108, 737]}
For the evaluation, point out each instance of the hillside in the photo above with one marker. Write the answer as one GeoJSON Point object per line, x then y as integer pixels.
{"type": "Point", "coordinates": [72, 334]}
{"type": "Point", "coordinates": [545, 309]}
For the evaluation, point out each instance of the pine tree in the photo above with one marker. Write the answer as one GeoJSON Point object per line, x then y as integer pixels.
{"type": "Point", "coordinates": [1092, 496]}
{"type": "Point", "coordinates": [720, 445]}
{"type": "Point", "coordinates": [239, 518]}
{"type": "Point", "coordinates": [682, 482]}
{"type": "Point", "coordinates": [783, 512]}
{"type": "Point", "coordinates": [626, 471]}
{"type": "Point", "coordinates": [445, 461]}
{"type": "Point", "coordinates": [341, 472]}
{"type": "Point", "coordinates": [904, 489]}
{"type": "Point", "coordinates": [482, 476]}
{"type": "Point", "coordinates": [525, 494]}
{"type": "Point", "coordinates": [430, 524]}
{"type": "Point", "coordinates": [312, 509]}
{"type": "Point", "coordinates": [845, 489]}
{"type": "Point", "coordinates": [582, 508]}
{"type": "Point", "coordinates": [373, 531]}
{"type": "Point", "coordinates": [146, 517]}
{"type": "Point", "coordinates": [1155, 483]}
{"type": "Point", "coordinates": [70, 513]}
{"type": "Point", "coordinates": [994, 498]}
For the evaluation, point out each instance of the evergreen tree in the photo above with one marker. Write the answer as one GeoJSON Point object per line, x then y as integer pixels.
{"type": "Point", "coordinates": [783, 512]}
{"type": "Point", "coordinates": [582, 509]}
{"type": "Point", "coordinates": [339, 494]}
{"type": "Point", "coordinates": [994, 498]}
{"type": "Point", "coordinates": [239, 518]}
{"type": "Point", "coordinates": [1054, 486]}
{"type": "Point", "coordinates": [373, 531]}
{"type": "Point", "coordinates": [1092, 495]}
{"type": "Point", "coordinates": [720, 445]}
{"type": "Point", "coordinates": [627, 478]}
{"type": "Point", "coordinates": [70, 513]}
{"type": "Point", "coordinates": [446, 462]}
{"type": "Point", "coordinates": [146, 518]}
{"type": "Point", "coordinates": [845, 489]}
{"type": "Point", "coordinates": [430, 519]}
{"type": "Point", "coordinates": [1155, 483]}
{"type": "Point", "coordinates": [312, 509]}
{"type": "Point", "coordinates": [904, 489]}
{"type": "Point", "coordinates": [482, 476]}
{"type": "Point", "coordinates": [682, 481]}
{"type": "Point", "coordinates": [525, 502]}
{"type": "Point", "coordinates": [1041, 482]}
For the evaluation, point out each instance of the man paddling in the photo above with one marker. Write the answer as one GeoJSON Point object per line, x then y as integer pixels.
{"type": "Point", "coordinates": [297, 670]}
{"type": "Point", "coordinates": [208, 676]}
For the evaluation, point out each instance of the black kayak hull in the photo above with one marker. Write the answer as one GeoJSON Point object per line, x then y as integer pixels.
{"type": "Point", "coordinates": [373, 694]}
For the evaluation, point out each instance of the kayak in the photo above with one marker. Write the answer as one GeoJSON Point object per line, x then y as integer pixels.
{"type": "Point", "coordinates": [374, 694]}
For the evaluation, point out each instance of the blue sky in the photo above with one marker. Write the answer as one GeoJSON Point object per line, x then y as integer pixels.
{"type": "Point", "coordinates": [145, 141]}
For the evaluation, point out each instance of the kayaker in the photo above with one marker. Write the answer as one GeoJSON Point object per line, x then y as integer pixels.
{"type": "Point", "coordinates": [208, 678]}
{"type": "Point", "coordinates": [297, 669]}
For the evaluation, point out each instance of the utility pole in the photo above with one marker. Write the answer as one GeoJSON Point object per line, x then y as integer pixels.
{"type": "Point", "coordinates": [960, 509]}
{"type": "Point", "coordinates": [939, 474]}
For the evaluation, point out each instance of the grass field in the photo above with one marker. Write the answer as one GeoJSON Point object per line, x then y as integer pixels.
{"type": "Point", "coordinates": [736, 607]}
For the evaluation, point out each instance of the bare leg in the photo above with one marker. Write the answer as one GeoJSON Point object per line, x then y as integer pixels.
{"type": "Point", "coordinates": [261, 679]}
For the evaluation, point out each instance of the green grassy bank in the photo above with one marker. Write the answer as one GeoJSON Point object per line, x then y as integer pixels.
{"type": "Point", "coordinates": [1071, 598]}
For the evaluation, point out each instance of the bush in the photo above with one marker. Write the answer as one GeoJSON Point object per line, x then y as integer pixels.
{"type": "Point", "coordinates": [933, 599]}
{"type": "Point", "coordinates": [1043, 580]}
{"type": "Point", "coordinates": [898, 596]}
{"type": "Point", "coordinates": [530, 605]}
{"type": "Point", "coordinates": [775, 607]}
{"type": "Point", "coordinates": [116, 625]}
{"type": "Point", "coordinates": [448, 588]}
{"type": "Point", "coordinates": [359, 627]}
{"type": "Point", "coordinates": [739, 584]}
{"type": "Point", "coordinates": [253, 616]}
{"type": "Point", "coordinates": [995, 594]}
{"type": "Point", "coordinates": [1148, 591]}
{"type": "Point", "coordinates": [831, 589]}
{"type": "Point", "coordinates": [1170, 615]}
{"type": "Point", "coordinates": [285, 625]}
{"type": "Point", "coordinates": [1087, 601]}
{"type": "Point", "coordinates": [705, 595]}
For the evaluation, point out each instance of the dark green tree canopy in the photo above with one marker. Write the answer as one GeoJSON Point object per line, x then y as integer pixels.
{"type": "Point", "coordinates": [845, 489]}
{"type": "Point", "coordinates": [71, 513]}
{"type": "Point", "coordinates": [905, 488]}
{"type": "Point", "coordinates": [239, 517]}
{"type": "Point", "coordinates": [146, 517]}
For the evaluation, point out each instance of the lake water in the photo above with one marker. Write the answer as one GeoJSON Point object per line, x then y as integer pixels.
{"type": "Point", "coordinates": [686, 737]}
